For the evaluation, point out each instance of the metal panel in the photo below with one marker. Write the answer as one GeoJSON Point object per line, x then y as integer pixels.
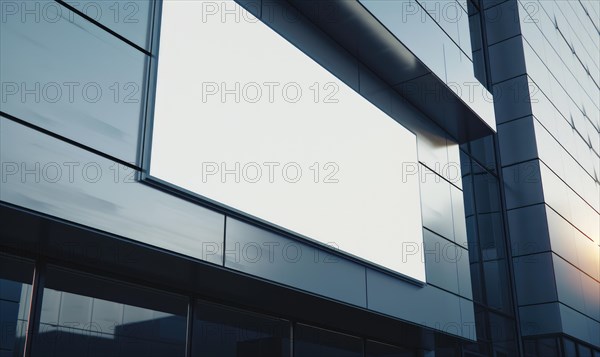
{"type": "Point", "coordinates": [507, 59]}
{"type": "Point", "coordinates": [426, 305]}
{"type": "Point", "coordinates": [579, 325]}
{"type": "Point", "coordinates": [47, 175]}
{"type": "Point", "coordinates": [516, 141]}
{"type": "Point", "coordinates": [534, 279]}
{"type": "Point", "coordinates": [523, 185]}
{"type": "Point", "coordinates": [61, 75]}
{"type": "Point", "coordinates": [258, 252]}
{"type": "Point", "coordinates": [540, 319]}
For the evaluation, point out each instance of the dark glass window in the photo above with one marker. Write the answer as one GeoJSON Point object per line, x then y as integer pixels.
{"type": "Point", "coordinates": [481, 323]}
{"type": "Point", "coordinates": [376, 349]}
{"type": "Point", "coordinates": [584, 351]}
{"type": "Point", "coordinates": [15, 291]}
{"type": "Point", "coordinates": [446, 351]}
{"type": "Point", "coordinates": [483, 151]}
{"type": "Point", "coordinates": [83, 315]}
{"type": "Point", "coordinates": [219, 331]}
{"type": "Point", "coordinates": [529, 348]}
{"type": "Point", "coordinates": [491, 235]}
{"type": "Point", "coordinates": [311, 342]}
{"type": "Point", "coordinates": [503, 335]}
{"type": "Point", "coordinates": [569, 348]}
{"type": "Point", "coordinates": [485, 185]}
{"type": "Point", "coordinates": [548, 347]}
{"type": "Point", "coordinates": [476, 282]}
{"type": "Point", "coordinates": [497, 281]}
{"type": "Point", "coordinates": [476, 349]}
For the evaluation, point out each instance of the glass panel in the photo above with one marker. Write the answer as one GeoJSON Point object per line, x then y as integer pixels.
{"type": "Point", "coordinates": [224, 332]}
{"type": "Point", "coordinates": [85, 316]}
{"type": "Point", "coordinates": [15, 291]}
{"type": "Point", "coordinates": [529, 347]}
{"type": "Point", "coordinates": [436, 203]}
{"type": "Point", "coordinates": [481, 323]}
{"type": "Point", "coordinates": [66, 75]}
{"type": "Point", "coordinates": [483, 151]}
{"type": "Point", "coordinates": [487, 197]}
{"type": "Point", "coordinates": [441, 257]}
{"type": "Point", "coordinates": [376, 349]}
{"type": "Point", "coordinates": [491, 235]}
{"type": "Point", "coordinates": [67, 182]}
{"type": "Point", "coordinates": [584, 351]}
{"type": "Point", "coordinates": [311, 341]}
{"type": "Point", "coordinates": [129, 18]}
{"type": "Point", "coordinates": [547, 347]}
{"type": "Point", "coordinates": [497, 285]}
{"type": "Point", "coordinates": [569, 348]}
{"type": "Point", "coordinates": [503, 335]}
{"type": "Point", "coordinates": [476, 282]}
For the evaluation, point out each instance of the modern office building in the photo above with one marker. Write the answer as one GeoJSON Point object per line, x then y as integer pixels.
{"type": "Point", "coordinates": [300, 178]}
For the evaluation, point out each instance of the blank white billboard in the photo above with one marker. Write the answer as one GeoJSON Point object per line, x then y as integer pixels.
{"type": "Point", "coordinates": [246, 119]}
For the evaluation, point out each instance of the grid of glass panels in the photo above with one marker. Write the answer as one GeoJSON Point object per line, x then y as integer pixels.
{"type": "Point", "coordinates": [82, 314]}
{"type": "Point", "coordinates": [16, 276]}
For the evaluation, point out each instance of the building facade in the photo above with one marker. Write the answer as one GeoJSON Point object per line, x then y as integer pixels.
{"type": "Point", "coordinates": [453, 209]}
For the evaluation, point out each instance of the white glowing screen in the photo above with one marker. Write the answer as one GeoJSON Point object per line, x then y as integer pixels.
{"type": "Point", "coordinates": [245, 118]}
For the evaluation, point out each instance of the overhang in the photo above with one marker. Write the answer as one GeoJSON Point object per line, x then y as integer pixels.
{"type": "Point", "coordinates": [464, 115]}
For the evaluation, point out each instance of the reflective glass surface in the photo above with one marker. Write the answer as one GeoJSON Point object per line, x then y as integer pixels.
{"type": "Point", "coordinates": [87, 316]}
{"type": "Point", "coordinates": [15, 291]}
{"type": "Point", "coordinates": [502, 333]}
{"type": "Point", "coordinates": [129, 18]}
{"type": "Point", "coordinates": [436, 203]}
{"type": "Point", "coordinates": [497, 278]}
{"type": "Point", "coordinates": [547, 347]}
{"type": "Point", "coordinates": [50, 176]}
{"type": "Point", "coordinates": [68, 76]}
{"type": "Point", "coordinates": [312, 341]}
{"type": "Point", "coordinates": [224, 332]}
